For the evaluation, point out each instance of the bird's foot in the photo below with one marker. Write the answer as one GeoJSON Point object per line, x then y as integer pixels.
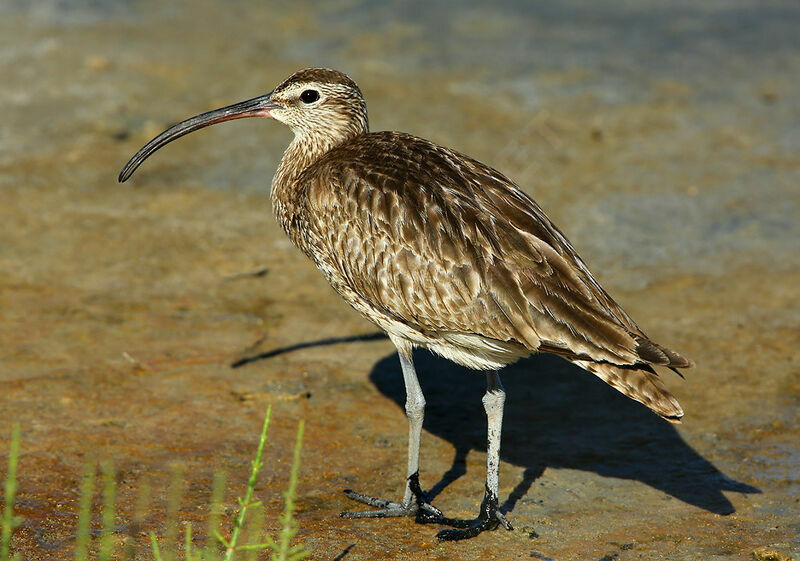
{"type": "Point", "coordinates": [418, 506]}
{"type": "Point", "coordinates": [488, 519]}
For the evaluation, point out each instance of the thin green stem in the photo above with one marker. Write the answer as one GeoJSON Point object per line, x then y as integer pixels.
{"type": "Point", "coordinates": [139, 513]}
{"type": "Point", "coordinates": [289, 528]}
{"type": "Point", "coordinates": [217, 493]}
{"type": "Point", "coordinates": [10, 492]}
{"type": "Point", "coordinates": [256, 546]}
{"type": "Point", "coordinates": [154, 544]}
{"type": "Point", "coordinates": [85, 512]}
{"type": "Point", "coordinates": [109, 513]}
{"type": "Point", "coordinates": [188, 542]}
{"type": "Point", "coordinates": [251, 484]}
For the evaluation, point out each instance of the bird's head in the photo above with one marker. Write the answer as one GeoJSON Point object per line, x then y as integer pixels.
{"type": "Point", "coordinates": [322, 107]}
{"type": "Point", "coordinates": [319, 104]}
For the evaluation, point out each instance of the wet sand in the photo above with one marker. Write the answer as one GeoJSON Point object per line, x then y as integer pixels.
{"type": "Point", "coordinates": [663, 140]}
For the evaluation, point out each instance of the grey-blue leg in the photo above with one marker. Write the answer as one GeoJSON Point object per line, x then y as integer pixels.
{"type": "Point", "coordinates": [414, 502]}
{"type": "Point", "coordinates": [489, 517]}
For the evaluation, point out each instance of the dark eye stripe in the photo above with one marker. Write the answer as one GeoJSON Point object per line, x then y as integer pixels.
{"type": "Point", "coordinates": [309, 96]}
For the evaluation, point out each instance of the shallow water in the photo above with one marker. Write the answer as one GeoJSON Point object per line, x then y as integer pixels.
{"type": "Point", "coordinates": [663, 138]}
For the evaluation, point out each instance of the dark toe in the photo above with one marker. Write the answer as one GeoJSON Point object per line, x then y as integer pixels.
{"type": "Point", "coordinates": [478, 526]}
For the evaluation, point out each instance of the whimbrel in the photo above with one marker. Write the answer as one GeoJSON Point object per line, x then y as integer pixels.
{"type": "Point", "coordinates": [441, 252]}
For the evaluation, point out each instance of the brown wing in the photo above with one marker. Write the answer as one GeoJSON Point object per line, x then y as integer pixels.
{"type": "Point", "coordinates": [446, 244]}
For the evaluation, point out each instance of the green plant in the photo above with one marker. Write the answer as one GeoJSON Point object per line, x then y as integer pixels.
{"type": "Point", "coordinates": [9, 520]}
{"type": "Point", "coordinates": [84, 513]}
{"type": "Point", "coordinates": [247, 525]}
{"type": "Point", "coordinates": [282, 548]}
{"type": "Point", "coordinates": [109, 495]}
{"type": "Point", "coordinates": [283, 551]}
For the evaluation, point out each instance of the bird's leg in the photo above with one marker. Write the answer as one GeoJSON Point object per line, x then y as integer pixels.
{"type": "Point", "coordinates": [489, 517]}
{"type": "Point", "coordinates": [414, 502]}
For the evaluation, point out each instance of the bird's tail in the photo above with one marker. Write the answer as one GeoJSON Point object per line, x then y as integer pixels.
{"type": "Point", "coordinates": [639, 382]}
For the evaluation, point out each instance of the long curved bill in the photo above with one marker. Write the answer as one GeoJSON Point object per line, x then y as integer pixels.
{"type": "Point", "coordinates": [256, 107]}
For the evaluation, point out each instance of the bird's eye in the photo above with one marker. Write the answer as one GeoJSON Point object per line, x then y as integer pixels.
{"type": "Point", "coordinates": [309, 96]}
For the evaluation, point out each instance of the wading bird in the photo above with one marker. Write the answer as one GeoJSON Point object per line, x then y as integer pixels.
{"type": "Point", "coordinates": [441, 252]}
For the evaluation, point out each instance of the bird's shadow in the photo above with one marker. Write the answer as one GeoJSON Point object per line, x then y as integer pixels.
{"type": "Point", "coordinates": [558, 415]}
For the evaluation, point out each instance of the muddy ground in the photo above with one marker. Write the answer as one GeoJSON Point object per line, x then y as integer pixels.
{"type": "Point", "coordinates": [663, 139]}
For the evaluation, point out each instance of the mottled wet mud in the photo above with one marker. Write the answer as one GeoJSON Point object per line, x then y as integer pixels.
{"type": "Point", "coordinates": [663, 140]}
